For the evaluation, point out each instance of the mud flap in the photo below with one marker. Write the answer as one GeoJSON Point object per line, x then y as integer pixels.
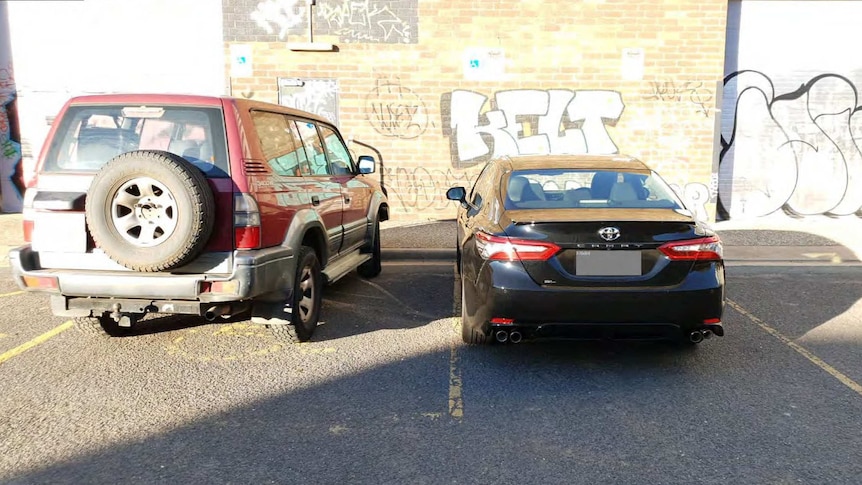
{"type": "Point", "coordinates": [272, 309]}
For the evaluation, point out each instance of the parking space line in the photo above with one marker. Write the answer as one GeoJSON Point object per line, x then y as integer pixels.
{"type": "Point", "coordinates": [36, 341]}
{"type": "Point", "coordinates": [853, 385]}
{"type": "Point", "coordinates": [456, 395]}
{"type": "Point", "coordinates": [3, 295]}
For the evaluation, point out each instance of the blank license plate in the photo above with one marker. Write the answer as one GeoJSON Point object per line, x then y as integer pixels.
{"type": "Point", "coordinates": [608, 263]}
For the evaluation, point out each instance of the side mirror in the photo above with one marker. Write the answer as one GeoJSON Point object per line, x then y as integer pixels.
{"type": "Point", "coordinates": [366, 164]}
{"type": "Point", "coordinates": [457, 193]}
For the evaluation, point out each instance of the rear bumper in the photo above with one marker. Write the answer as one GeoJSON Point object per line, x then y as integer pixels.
{"type": "Point", "coordinates": [254, 273]}
{"type": "Point", "coordinates": [508, 292]}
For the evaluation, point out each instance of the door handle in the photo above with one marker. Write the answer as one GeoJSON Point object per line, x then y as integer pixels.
{"type": "Point", "coordinates": [315, 200]}
{"type": "Point", "coordinates": [346, 199]}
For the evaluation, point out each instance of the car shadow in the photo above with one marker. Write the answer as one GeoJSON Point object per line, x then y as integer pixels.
{"type": "Point", "coordinates": [401, 297]}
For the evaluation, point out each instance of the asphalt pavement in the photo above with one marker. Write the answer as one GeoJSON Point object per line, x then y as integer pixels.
{"type": "Point", "coordinates": [386, 392]}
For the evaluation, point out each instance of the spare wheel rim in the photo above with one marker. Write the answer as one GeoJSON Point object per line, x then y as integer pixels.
{"type": "Point", "coordinates": [144, 212]}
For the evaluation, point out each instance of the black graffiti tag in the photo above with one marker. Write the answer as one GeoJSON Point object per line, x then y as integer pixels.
{"type": "Point", "coordinates": [396, 111]}
{"type": "Point", "coordinates": [690, 91]}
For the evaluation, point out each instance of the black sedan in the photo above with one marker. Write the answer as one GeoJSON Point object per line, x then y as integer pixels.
{"type": "Point", "coordinates": [584, 247]}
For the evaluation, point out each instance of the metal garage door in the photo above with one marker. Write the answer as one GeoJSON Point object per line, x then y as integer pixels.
{"type": "Point", "coordinates": [791, 134]}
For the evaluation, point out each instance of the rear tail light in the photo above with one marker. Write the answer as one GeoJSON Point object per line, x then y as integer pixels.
{"type": "Point", "coordinates": [705, 249]}
{"type": "Point", "coordinates": [27, 221]}
{"type": "Point", "coordinates": [41, 282]}
{"type": "Point", "coordinates": [246, 222]}
{"type": "Point", "coordinates": [224, 287]}
{"type": "Point", "coordinates": [502, 248]}
{"type": "Point", "coordinates": [502, 321]}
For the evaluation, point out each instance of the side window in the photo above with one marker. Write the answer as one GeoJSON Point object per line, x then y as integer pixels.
{"type": "Point", "coordinates": [281, 148]}
{"type": "Point", "coordinates": [313, 147]}
{"type": "Point", "coordinates": [339, 157]}
{"type": "Point", "coordinates": [301, 156]}
{"type": "Point", "coordinates": [480, 189]}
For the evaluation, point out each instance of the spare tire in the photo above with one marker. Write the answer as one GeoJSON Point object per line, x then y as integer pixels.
{"type": "Point", "coordinates": [150, 210]}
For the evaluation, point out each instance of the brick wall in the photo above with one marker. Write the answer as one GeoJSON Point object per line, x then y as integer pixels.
{"type": "Point", "coordinates": [439, 86]}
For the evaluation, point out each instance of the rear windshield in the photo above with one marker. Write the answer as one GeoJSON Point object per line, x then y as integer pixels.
{"type": "Point", "coordinates": [570, 189]}
{"type": "Point", "coordinates": [89, 136]}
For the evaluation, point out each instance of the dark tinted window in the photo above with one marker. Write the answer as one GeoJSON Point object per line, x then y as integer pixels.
{"type": "Point", "coordinates": [89, 136]}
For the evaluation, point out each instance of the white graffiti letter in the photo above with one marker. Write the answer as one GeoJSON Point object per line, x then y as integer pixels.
{"type": "Point", "coordinates": [465, 109]}
{"type": "Point", "coordinates": [594, 108]}
{"type": "Point", "coordinates": [515, 104]}
{"type": "Point", "coordinates": [279, 12]}
{"type": "Point", "coordinates": [572, 140]}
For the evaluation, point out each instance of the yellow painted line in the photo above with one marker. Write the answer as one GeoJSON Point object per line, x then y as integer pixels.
{"type": "Point", "coordinates": [853, 385]}
{"type": "Point", "coordinates": [36, 341]}
{"type": "Point", "coordinates": [456, 394]}
{"type": "Point", "coordinates": [4, 295]}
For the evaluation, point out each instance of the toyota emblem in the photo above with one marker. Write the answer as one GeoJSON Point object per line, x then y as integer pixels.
{"type": "Point", "coordinates": [609, 233]}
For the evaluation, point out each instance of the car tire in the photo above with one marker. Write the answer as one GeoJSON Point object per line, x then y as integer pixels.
{"type": "Point", "coordinates": [373, 266]}
{"type": "Point", "coordinates": [305, 300]}
{"type": "Point", "coordinates": [101, 326]}
{"type": "Point", "coordinates": [150, 210]}
{"type": "Point", "coordinates": [469, 335]}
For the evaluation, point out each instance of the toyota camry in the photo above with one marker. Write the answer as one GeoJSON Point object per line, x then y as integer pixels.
{"type": "Point", "coordinates": [584, 246]}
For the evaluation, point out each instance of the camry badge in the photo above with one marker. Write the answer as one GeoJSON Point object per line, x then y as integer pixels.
{"type": "Point", "coordinates": [609, 233]}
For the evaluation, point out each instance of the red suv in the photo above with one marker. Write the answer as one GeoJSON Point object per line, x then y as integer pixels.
{"type": "Point", "coordinates": [210, 206]}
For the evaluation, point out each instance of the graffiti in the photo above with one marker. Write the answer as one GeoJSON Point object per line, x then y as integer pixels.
{"type": "Point", "coordinates": [364, 20]}
{"type": "Point", "coordinates": [695, 196]}
{"type": "Point", "coordinates": [11, 170]}
{"type": "Point", "coordinates": [794, 151]}
{"type": "Point", "coordinates": [318, 96]}
{"type": "Point", "coordinates": [353, 21]}
{"type": "Point", "coordinates": [395, 111]}
{"type": "Point", "coordinates": [556, 121]}
{"type": "Point", "coordinates": [284, 14]}
{"type": "Point", "coordinates": [7, 78]}
{"type": "Point", "coordinates": [423, 189]}
{"type": "Point", "coordinates": [690, 91]}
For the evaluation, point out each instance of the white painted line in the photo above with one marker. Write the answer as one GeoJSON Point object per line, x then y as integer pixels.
{"type": "Point", "coordinates": [853, 385]}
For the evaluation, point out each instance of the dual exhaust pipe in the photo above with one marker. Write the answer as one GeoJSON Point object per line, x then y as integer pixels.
{"type": "Point", "coordinates": [699, 336]}
{"type": "Point", "coordinates": [513, 336]}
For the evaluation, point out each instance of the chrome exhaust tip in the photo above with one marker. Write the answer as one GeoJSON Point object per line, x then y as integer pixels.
{"type": "Point", "coordinates": [502, 336]}
{"type": "Point", "coordinates": [216, 311]}
{"type": "Point", "coordinates": [696, 336]}
{"type": "Point", "coordinates": [515, 337]}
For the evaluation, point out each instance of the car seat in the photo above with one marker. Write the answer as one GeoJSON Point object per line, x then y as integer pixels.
{"type": "Point", "coordinates": [600, 187]}
{"type": "Point", "coordinates": [622, 193]}
{"type": "Point", "coordinates": [575, 196]}
{"type": "Point", "coordinates": [520, 190]}
{"type": "Point", "coordinates": [98, 145]}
